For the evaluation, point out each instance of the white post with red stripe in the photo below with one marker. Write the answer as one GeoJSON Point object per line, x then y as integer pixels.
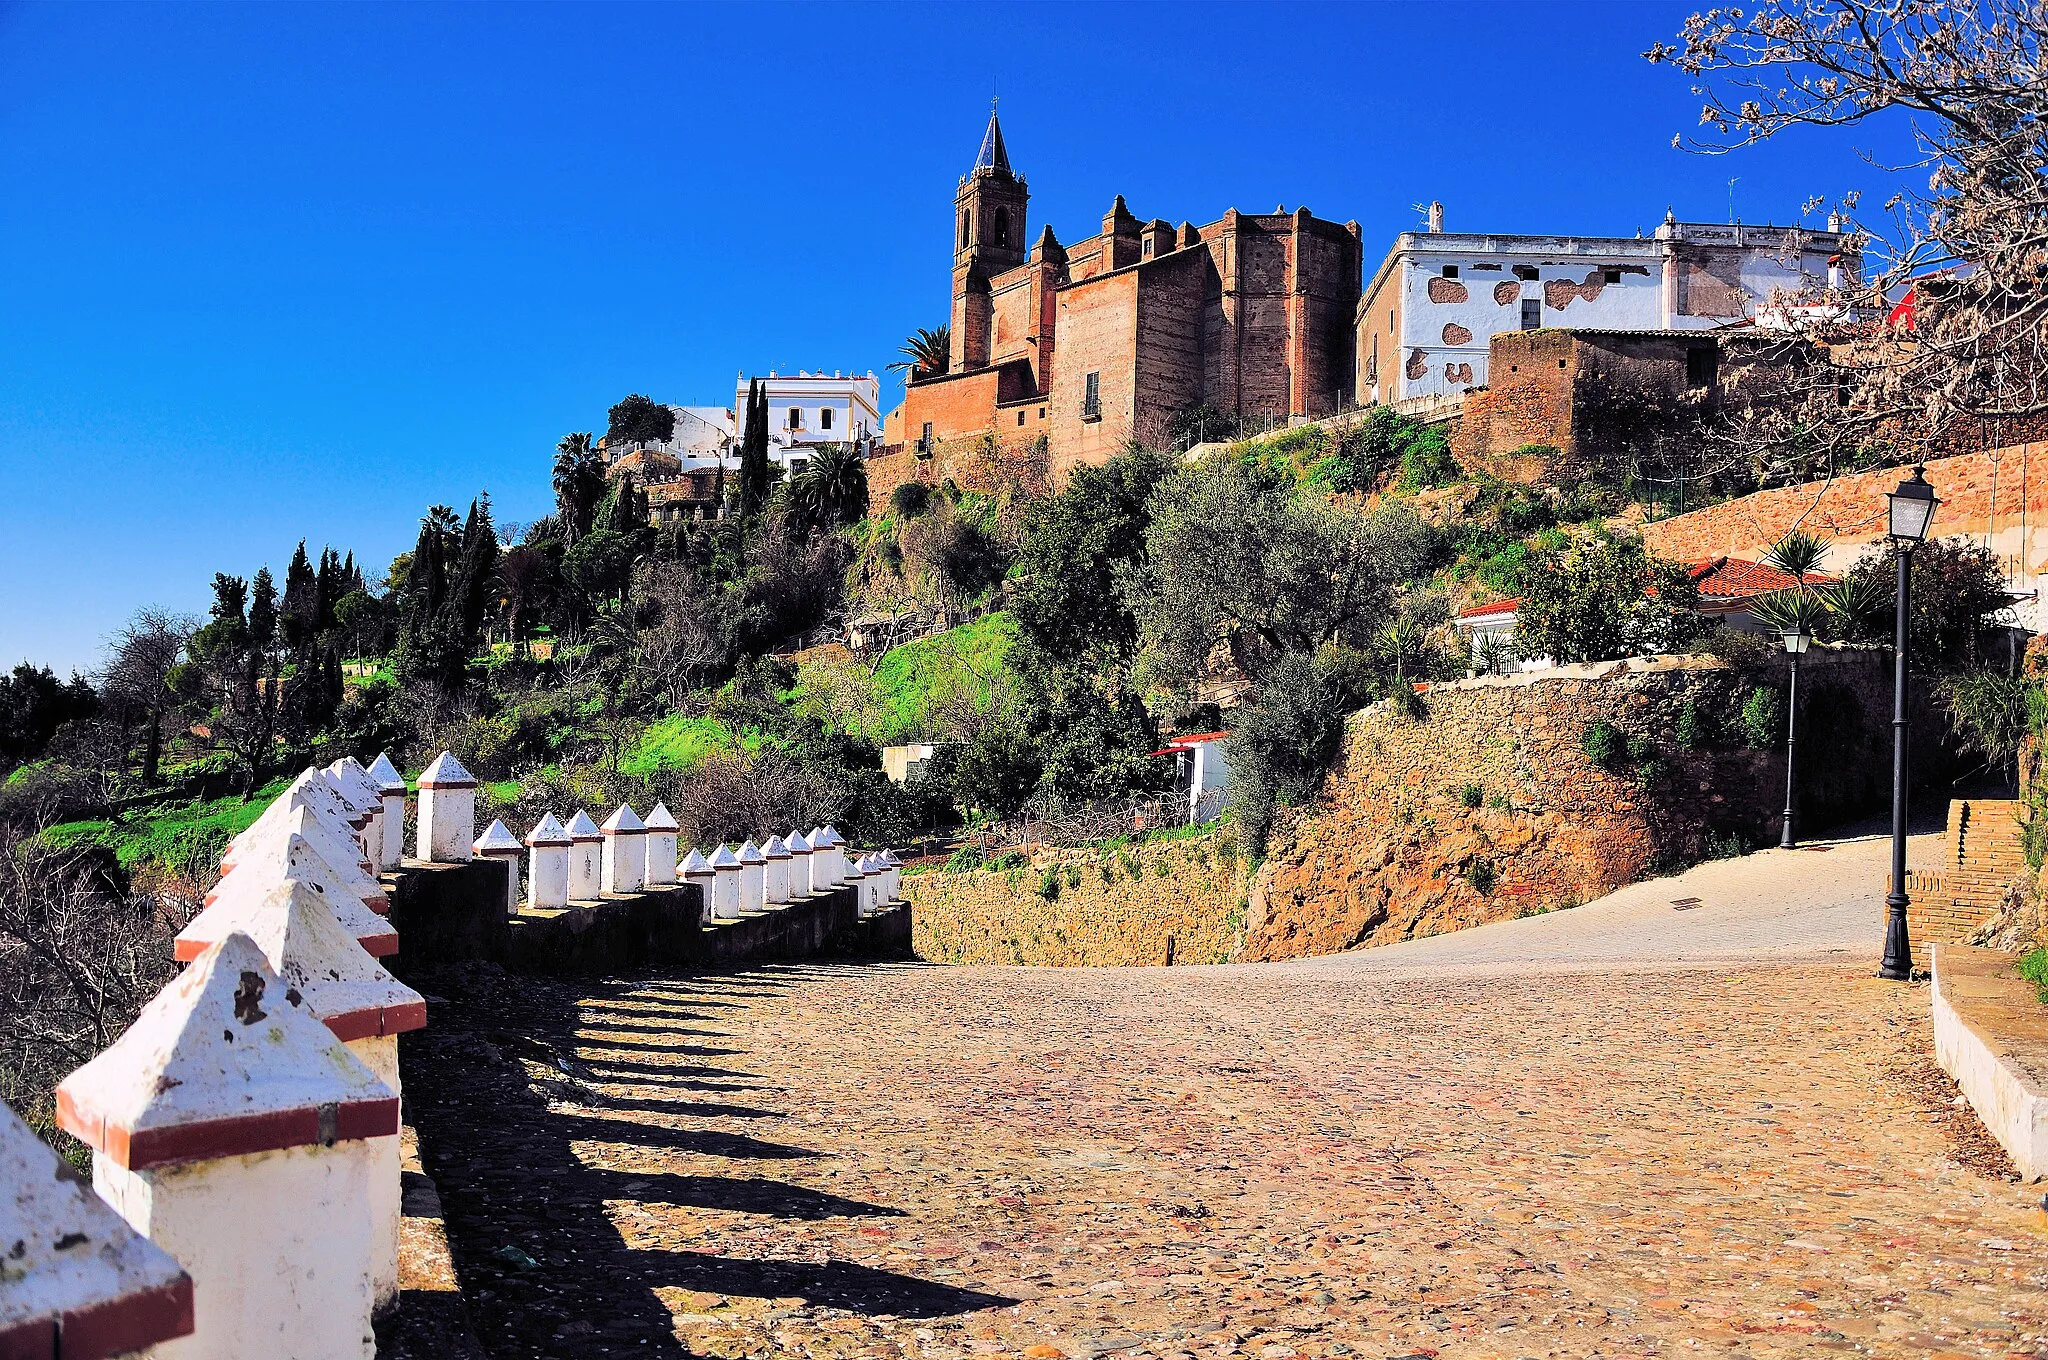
{"type": "Point", "coordinates": [77, 1280]}
{"type": "Point", "coordinates": [661, 846]}
{"type": "Point", "coordinates": [364, 1007]}
{"type": "Point", "coordinates": [231, 1128]}
{"type": "Point", "coordinates": [392, 785]}
{"type": "Point", "coordinates": [447, 812]}
{"type": "Point", "coordinates": [498, 843]}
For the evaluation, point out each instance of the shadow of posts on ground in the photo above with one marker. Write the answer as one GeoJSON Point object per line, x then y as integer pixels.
{"type": "Point", "coordinates": [543, 1268]}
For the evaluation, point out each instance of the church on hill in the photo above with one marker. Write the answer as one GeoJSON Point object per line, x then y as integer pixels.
{"type": "Point", "coordinates": [1061, 354]}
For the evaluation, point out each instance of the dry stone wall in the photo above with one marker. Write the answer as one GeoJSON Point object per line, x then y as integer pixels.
{"type": "Point", "coordinates": [1393, 850]}
{"type": "Point", "coordinates": [1158, 902]}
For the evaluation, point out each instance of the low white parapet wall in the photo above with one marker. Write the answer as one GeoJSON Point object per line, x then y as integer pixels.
{"type": "Point", "coordinates": [1991, 1036]}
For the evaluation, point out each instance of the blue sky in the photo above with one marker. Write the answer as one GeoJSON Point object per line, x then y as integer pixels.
{"type": "Point", "coordinates": [298, 271]}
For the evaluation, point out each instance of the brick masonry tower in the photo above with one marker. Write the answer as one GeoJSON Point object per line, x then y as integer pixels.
{"type": "Point", "coordinates": [988, 238]}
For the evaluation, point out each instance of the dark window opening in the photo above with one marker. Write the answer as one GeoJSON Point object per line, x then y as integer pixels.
{"type": "Point", "coordinates": [1532, 314]}
{"type": "Point", "coordinates": [796, 417]}
{"type": "Point", "coordinates": [1091, 400]}
{"type": "Point", "coordinates": [964, 220]}
{"type": "Point", "coordinates": [1450, 271]}
{"type": "Point", "coordinates": [1702, 367]}
{"type": "Point", "coordinates": [1002, 227]}
{"type": "Point", "coordinates": [1020, 417]}
{"type": "Point", "coordinates": [825, 419]}
{"type": "Point", "coordinates": [1611, 275]}
{"type": "Point", "coordinates": [1526, 273]}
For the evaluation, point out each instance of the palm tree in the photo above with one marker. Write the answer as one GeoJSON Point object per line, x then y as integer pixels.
{"type": "Point", "coordinates": [833, 487]}
{"type": "Point", "coordinates": [927, 352]}
{"type": "Point", "coordinates": [1796, 554]}
{"type": "Point", "coordinates": [579, 483]}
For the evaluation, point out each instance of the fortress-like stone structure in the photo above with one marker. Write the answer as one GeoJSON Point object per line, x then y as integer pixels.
{"type": "Point", "coordinates": [1093, 344]}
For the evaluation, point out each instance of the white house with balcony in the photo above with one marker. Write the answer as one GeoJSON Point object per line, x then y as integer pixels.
{"type": "Point", "coordinates": [807, 410]}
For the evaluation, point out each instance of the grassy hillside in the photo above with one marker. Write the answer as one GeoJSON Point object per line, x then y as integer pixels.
{"type": "Point", "coordinates": [909, 683]}
{"type": "Point", "coordinates": [186, 839]}
{"type": "Point", "coordinates": [680, 743]}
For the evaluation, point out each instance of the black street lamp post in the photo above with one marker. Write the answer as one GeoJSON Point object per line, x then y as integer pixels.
{"type": "Point", "coordinates": [1911, 511]}
{"type": "Point", "coordinates": [1795, 647]}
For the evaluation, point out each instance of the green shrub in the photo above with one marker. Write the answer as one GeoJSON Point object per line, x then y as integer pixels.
{"type": "Point", "coordinates": [1499, 803]}
{"type": "Point", "coordinates": [1762, 720]}
{"type": "Point", "coordinates": [1472, 795]}
{"type": "Point", "coordinates": [1049, 886]}
{"type": "Point", "coordinates": [1734, 845]}
{"type": "Point", "coordinates": [1010, 859]}
{"type": "Point", "coordinates": [910, 500]}
{"type": "Point", "coordinates": [1481, 876]}
{"type": "Point", "coordinates": [1639, 749]}
{"type": "Point", "coordinates": [2033, 966]}
{"type": "Point", "coordinates": [964, 860]}
{"type": "Point", "coordinates": [1073, 875]}
{"type": "Point", "coordinates": [1693, 731]}
{"type": "Point", "coordinates": [1605, 745]}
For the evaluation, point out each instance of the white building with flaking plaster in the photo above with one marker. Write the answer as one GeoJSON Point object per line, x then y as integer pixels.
{"type": "Point", "coordinates": [1426, 316]}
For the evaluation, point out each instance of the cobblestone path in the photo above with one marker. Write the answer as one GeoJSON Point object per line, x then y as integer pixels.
{"type": "Point", "coordinates": [918, 1161]}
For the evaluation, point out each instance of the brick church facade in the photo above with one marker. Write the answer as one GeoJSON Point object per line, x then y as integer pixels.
{"type": "Point", "coordinates": [1063, 354]}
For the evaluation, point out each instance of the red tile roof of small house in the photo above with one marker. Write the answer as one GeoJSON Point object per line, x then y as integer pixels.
{"type": "Point", "coordinates": [1488, 610]}
{"type": "Point", "coordinates": [1179, 744]}
{"type": "Point", "coordinates": [1731, 579]}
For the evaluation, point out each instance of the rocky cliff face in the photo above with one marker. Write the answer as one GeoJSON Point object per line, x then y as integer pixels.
{"type": "Point", "coordinates": [1395, 850]}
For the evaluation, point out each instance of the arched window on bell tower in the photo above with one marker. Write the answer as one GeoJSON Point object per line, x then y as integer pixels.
{"type": "Point", "coordinates": [1001, 231]}
{"type": "Point", "coordinates": [966, 222]}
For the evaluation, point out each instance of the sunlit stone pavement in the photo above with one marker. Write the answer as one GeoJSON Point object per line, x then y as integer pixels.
{"type": "Point", "coordinates": [912, 1160]}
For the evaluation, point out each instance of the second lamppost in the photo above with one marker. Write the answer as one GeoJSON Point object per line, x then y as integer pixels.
{"type": "Point", "coordinates": [1795, 646]}
{"type": "Point", "coordinates": [1911, 511]}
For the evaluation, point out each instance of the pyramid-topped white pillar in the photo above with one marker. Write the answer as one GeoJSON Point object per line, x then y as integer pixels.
{"type": "Point", "coordinates": [76, 1279]}
{"type": "Point", "coordinates": [498, 843]}
{"type": "Point", "coordinates": [775, 882]}
{"type": "Point", "coordinates": [624, 865]}
{"type": "Point", "coordinates": [895, 875]}
{"type": "Point", "coordinates": [291, 858]}
{"type": "Point", "coordinates": [391, 784]}
{"type": "Point", "coordinates": [753, 877]}
{"type": "Point", "coordinates": [364, 1007]}
{"type": "Point", "coordinates": [661, 846]}
{"type": "Point", "coordinates": [314, 808]}
{"type": "Point", "coordinates": [447, 812]}
{"type": "Point", "coordinates": [828, 859]}
{"type": "Point", "coordinates": [231, 1128]}
{"type": "Point", "coordinates": [288, 817]}
{"type": "Point", "coordinates": [697, 871]}
{"type": "Point", "coordinates": [725, 885]}
{"type": "Point", "coordinates": [857, 879]}
{"type": "Point", "coordinates": [586, 856]}
{"type": "Point", "coordinates": [362, 798]}
{"type": "Point", "coordinates": [547, 868]}
{"type": "Point", "coordinates": [800, 858]}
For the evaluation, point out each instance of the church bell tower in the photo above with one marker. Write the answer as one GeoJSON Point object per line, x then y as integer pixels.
{"type": "Point", "coordinates": [988, 238]}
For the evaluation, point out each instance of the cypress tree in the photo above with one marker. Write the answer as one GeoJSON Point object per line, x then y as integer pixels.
{"type": "Point", "coordinates": [476, 575]}
{"type": "Point", "coordinates": [262, 609]}
{"type": "Point", "coordinates": [297, 615]}
{"type": "Point", "coordinates": [754, 451]}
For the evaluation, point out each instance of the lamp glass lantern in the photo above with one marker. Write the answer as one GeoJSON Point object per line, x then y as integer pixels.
{"type": "Point", "coordinates": [1911, 508]}
{"type": "Point", "coordinates": [1797, 641]}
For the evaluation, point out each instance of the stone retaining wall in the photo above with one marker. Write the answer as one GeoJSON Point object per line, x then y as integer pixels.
{"type": "Point", "coordinates": [1158, 902]}
{"type": "Point", "coordinates": [1393, 852]}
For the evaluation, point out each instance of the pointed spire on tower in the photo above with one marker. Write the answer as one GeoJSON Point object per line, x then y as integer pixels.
{"type": "Point", "coordinates": [992, 155]}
